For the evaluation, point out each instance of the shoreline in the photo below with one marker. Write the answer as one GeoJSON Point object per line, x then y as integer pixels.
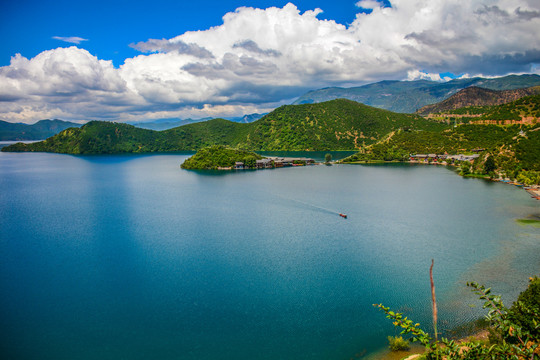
{"type": "Point", "coordinates": [532, 190]}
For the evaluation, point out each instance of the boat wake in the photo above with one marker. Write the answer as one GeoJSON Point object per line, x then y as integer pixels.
{"type": "Point", "coordinates": [314, 207]}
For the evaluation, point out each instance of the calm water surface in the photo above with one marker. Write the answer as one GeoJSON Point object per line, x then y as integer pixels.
{"type": "Point", "coordinates": [130, 257]}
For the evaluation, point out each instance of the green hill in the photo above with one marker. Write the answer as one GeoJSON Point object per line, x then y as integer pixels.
{"type": "Point", "coordinates": [334, 125]}
{"type": "Point", "coordinates": [199, 135]}
{"type": "Point", "coordinates": [38, 131]}
{"type": "Point", "coordinates": [408, 96]}
{"type": "Point", "coordinates": [95, 137]}
{"type": "Point", "coordinates": [101, 137]}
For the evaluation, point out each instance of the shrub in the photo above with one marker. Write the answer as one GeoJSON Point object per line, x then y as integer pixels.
{"type": "Point", "coordinates": [327, 158]}
{"type": "Point", "coordinates": [526, 310]}
{"type": "Point", "coordinates": [397, 343]}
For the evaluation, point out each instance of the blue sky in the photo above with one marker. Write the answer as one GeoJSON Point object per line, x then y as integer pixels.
{"type": "Point", "coordinates": [139, 61]}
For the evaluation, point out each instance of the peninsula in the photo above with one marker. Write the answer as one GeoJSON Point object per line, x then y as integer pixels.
{"type": "Point", "coordinates": [219, 157]}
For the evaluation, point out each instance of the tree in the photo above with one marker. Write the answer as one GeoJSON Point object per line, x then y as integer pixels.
{"type": "Point", "coordinates": [249, 161]}
{"type": "Point", "coordinates": [327, 158]}
{"type": "Point", "coordinates": [465, 168]}
{"type": "Point", "coordinates": [489, 165]}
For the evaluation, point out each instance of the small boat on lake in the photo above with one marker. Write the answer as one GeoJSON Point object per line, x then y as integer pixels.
{"type": "Point", "coordinates": [343, 215]}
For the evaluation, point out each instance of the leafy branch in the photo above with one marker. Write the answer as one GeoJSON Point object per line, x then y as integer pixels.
{"type": "Point", "coordinates": [516, 341]}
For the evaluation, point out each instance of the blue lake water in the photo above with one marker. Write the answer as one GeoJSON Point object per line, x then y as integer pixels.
{"type": "Point", "coordinates": [131, 257]}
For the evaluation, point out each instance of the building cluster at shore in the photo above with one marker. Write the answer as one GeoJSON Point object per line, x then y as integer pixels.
{"type": "Point", "coordinates": [276, 162]}
{"type": "Point", "coordinates": [436, 157]}
{"type": "Point", "coordinates": [534, 190]}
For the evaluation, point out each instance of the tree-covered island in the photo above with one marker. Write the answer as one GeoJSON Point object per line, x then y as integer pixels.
{"type": "Point", "coordinates": [218, 157]}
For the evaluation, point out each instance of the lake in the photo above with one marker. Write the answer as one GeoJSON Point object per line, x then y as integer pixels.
{"type": "Point", "coordinates": [131, 257]}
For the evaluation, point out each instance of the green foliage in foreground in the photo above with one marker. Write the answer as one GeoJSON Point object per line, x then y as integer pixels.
{"type": "Point", "coordinates": [515, 330]}
{"type": "Point", "coordinates": [217, 156]}
{"type": "Point", "coordinates": [526, 311]}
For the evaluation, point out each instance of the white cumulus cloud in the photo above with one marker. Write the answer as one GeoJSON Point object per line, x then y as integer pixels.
{"type": "Point", "coordinates": [368, 4]}
{"type": "Point", "coordinates": [260, 58]}
{"type": "Point", "coordinates": [70, 39]}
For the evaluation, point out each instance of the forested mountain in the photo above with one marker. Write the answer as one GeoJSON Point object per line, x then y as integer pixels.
{"type": "Point", "coordinates": [334, 125]}
{"type": "Point", "coordinates": [101, 137]}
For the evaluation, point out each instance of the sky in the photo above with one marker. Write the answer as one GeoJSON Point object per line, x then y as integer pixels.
{"type": "Point", "coordinates": [146, 60]}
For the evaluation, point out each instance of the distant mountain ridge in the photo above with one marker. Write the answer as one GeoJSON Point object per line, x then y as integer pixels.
{"type": "Point", "coordinates": [166, 124]}
{"type": "Point", "coordinates": [44, 129]}
{"type": "Point", "coordinates": [246, 119]}
{"type": "Point", "coordinates": [476, 96]}
{"type": "Point", "coordinates": [409, 96]}
{"type": "Point", "coordinates": [40, 130]}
